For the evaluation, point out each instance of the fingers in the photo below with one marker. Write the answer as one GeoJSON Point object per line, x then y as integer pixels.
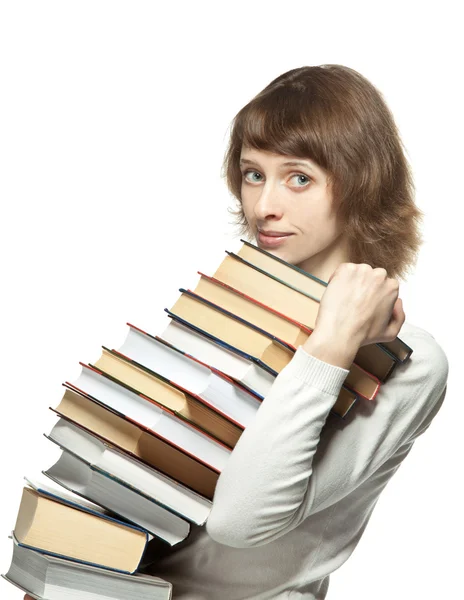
{"type": "Point", "coordinates": [331, 277]}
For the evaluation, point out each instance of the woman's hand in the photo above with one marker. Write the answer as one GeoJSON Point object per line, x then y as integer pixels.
{"type": "Point", "coordinates": [360, 306]}
{"type": "Point", "coordinates": [361, 303]}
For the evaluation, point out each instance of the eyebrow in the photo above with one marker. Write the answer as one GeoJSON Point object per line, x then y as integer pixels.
{"type": "Point", "coordinates": [290, 163]}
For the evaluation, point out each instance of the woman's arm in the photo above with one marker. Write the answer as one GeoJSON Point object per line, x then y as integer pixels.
{"type": "Point", "coordinates": [274, 478]}
{"type": "Point", "coordinates": [266, 479]}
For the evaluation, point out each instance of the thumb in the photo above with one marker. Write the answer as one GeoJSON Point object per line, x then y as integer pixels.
{"type": "Point", "coordinates": [398, 312]}
{"type": "Point", "coordinates": [397, 318]}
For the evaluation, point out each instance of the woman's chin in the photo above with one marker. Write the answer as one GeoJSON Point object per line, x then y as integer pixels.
{"type": "Point", "coordinates": [282, 253]}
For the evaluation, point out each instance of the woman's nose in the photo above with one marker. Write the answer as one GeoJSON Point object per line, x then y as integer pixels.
{"type": "Point", "coordinates": [269, 203]}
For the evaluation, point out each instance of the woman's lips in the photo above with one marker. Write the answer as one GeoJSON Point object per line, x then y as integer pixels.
{"type": "Point", "coordinates": [272, 240]}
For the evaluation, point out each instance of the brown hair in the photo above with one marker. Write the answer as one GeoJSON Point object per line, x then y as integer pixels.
{"type": "Point", "coordinates": [336, 117]}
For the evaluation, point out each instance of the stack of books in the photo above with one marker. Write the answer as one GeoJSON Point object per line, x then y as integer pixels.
{"type": "Point", "coordinates": [146, 430]}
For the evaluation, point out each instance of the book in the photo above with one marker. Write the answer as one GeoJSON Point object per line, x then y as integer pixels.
{"type": "Point", "coordinates": [223, 393]}
{"type": "Point", "coordinates": [75, 532]}
{"type": "Point", "coordinates": [282, 270]}
{"type": "Point", "coordinates": [137, 442]}
{"type": "Point", "coordinates": [184, 404]}
{"type": "Point", "coordinates": [301, 307]}
{"type": "Point", "coordinates": [152, 415]}
{"type": "Point", "coordinates": [131, 474]}
{"type": "Point", "coordinates": [53, 578]}
{"type": "Point", "coordinates": [211, 351]}
{"type": "Point", "coordinates": [304, 281]}
{"type": "Point", "coordinates": [291, 332]}
{"type": "Point", "coordinates": [50, 488]}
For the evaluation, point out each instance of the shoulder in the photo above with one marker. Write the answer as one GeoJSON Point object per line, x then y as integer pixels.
{"type": "Point", "coordinates": [418, 387]}
{"type": "Point", "coordinates": [428, 356]}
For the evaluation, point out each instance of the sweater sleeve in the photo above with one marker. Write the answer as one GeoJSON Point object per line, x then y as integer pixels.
{"type": "Point", "coordinates": [274, 478]}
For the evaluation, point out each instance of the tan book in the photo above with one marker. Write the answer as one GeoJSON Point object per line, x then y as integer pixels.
{"type": "Point", "coordinates": [291, 332]}
{"type": "Point", "coordinates": [235, 332]}
{"type": "Point", "coordinates": [57, 528]}
{"type": "Point", "coordinates": [159, 389]}
{"type": "Point", "coordinates": [138, 442]}
{"type": "Point", "coordinates": [280, 269]}
{"type": "Point", "coordinates": [242, 276]}
{"type": "Point", "coordinates": [345, 401]}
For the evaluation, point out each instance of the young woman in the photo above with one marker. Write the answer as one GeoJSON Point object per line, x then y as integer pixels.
{"type": "Point", "coordinates": [317, 167]}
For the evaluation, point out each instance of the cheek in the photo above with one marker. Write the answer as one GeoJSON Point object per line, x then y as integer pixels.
{"type": "Point", "coordinates": [247, 203]}
{"type": "Point", "coordinates": [317, 213]}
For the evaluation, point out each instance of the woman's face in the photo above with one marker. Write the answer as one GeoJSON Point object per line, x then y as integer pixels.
{"type": "Point", "coordinates": [290, 199]}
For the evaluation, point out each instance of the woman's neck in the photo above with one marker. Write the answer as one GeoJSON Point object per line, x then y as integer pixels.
{"type": "Point", "coordinates": [323, 264]}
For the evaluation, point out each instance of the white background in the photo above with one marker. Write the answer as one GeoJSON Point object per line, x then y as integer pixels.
{"type": "Point", "coordinates": [114, 120]}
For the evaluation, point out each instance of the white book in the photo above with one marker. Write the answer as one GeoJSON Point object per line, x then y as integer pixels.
{"type": "Point", "coordinates": [100, 487]}
{"type": "Point", "coordinates": [221, 393]}
{"type": "Point", "coordinates": [232, 364]}
{"type": "Point", "coordinates": [129, 472]}
{"type": "Point", "coordinates": [48, 577]}
{"type": "Point", "coordinates": [152, 416]}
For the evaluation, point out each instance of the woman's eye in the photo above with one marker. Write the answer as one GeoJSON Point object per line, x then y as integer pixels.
{"type": "Point", "coordinates": [302, 180]}
{"type": "Point", "coordinates": [250, 176]}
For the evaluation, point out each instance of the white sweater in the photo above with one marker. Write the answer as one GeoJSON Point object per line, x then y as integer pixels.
{"type": "Point", "coordinates": [296, 495]}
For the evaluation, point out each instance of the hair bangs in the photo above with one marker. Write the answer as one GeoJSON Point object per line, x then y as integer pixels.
{"type": "Point", "coordinates": [276, 122]}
